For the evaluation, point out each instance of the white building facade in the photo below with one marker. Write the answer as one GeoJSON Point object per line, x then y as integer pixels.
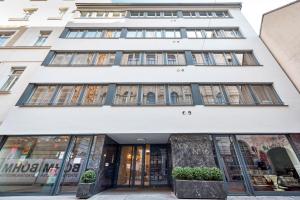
{"type": "Point", "coordinates": [134, 90]}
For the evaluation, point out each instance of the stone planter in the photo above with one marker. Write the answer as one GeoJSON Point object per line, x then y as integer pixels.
{"type": "Point", "coordinates": [85, 190]}
{"type": "Point", "coordinates": [194, 189]}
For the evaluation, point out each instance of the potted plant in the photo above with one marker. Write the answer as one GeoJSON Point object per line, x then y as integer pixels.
{"type": "Point", "coordinates": [198, 183]}
{"type": "Point", "coordinates": [86, 186]}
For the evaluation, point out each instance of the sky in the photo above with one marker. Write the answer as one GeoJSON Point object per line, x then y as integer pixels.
{"type": "Point", "coordinates": [252, 9]}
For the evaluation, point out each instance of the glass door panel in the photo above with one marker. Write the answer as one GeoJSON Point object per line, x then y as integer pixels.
{"type": "Point", "coordinates": [147, 166]}
{"type": "Point", "coordinates": [159, 166]}
{"type": "Point", "coordinates": [138, 171]}
{"type": "Point", "coordinates": [232, 170]}
{"type": "Point", "coordinates": [125, 169]}
{"type": "Point", "coordinates": [76, 164]}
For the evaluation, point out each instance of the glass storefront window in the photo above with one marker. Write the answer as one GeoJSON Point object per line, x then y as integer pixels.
{"type": "Point", "coordinates": [31, 164]}
{"type": "Point", "coordinates": [231, 165]}
{"type": "Point", "coordinates": [271, 162]}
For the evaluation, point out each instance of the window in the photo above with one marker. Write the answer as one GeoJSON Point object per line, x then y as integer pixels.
{"type": "Point", "coordinates": [31, 159]}
{"type": "Point", "coordinates": [172, 33]}
{"type": "Point", "coordinates": [126, 95]}
{"type": "Point", "coordinates": [83, 59]}
{"type": "Point", "coordinates": [246, 58]}
{"type": "Point", "coordinates": [42, 38]}
{"type": "Point", "coordinates": [153, 14]}
{"type": "Point", "coordinates": [180, 95]}
{"type": "Point", "coordinates": [175, 59]}
{"type": "Point", "coordinates": [28, 12]}
{"type": "Point", "coordinates": [95, 95]}
{"type": "Point", "coordinates": [75, 34]}
{"type": "Point", "coordinates": [194, 34]}
{"type": "Point", "coordinates": [136, 14]}
{"type": "Point", "coordinates": [212, 95]}
{"type": "Point", "coordinates": [239, 94]}
{"type": "Point", "coordinates": [265, 94]}
{"type": "Point", "coordinates": [105, 59]}
{"type": "Point", "coordinates": [42, 95]}
{"type": "Point", "coordinates": [153, 58]}
{"type": "Point", "coordinates": [138, 33]}
{"type": "Point", "coordinates": [206, 14]}
{"type": "Point", "coordinates": [172, 14]}
{"type": "Point", "coordinates": [211, 34]}
{"type": "Point", "coordinates": [102, 14]}
{"type": "Point", "coordinates": [201, 59]}
{"type": "Point", "coordinates": [219, 59]}
{"type": "Point", "coordinates": [151, 33]}
{"type": "Point", "coordinates": [64, 95]}
{"type": "Point", "coordinates": [189, 14]}
{"type": "Point", "coordinates": [153, 95]}
{"type": "Point", "coordinates": [111, 33]}
{"type": "Point", "coordinates": [61, 59]}
{"type": "Point", "coordinates": [12, 79]}
{"type": "Point", "coordinates": [131, 59]}
{"type": "Point", "coordinates": [4, 37]}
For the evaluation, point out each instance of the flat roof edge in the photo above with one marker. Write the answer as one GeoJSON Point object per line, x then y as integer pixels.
{"type": "Point", "coordinates": [227, 4]}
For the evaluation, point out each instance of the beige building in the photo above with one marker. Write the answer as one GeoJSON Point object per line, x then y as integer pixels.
{"type": "Point", "coordinates": [280, 30]}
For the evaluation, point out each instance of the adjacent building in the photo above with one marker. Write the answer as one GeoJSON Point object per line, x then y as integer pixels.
{"type": "Point", "coordinates": [280, 32]}
{"type": "Point", "coordinates": [133, 90]}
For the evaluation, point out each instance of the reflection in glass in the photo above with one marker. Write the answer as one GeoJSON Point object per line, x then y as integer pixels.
{"type": "Point", "coordinates": [124, 175]}
{"type": "Point", "coordinates": [232, 170]}
{"type": "Point", "coordinates": [138, 165]}
{"type": "Point", "coordinates": [31, 164]}
{"type": "Point", "coordinates": [271, 162]}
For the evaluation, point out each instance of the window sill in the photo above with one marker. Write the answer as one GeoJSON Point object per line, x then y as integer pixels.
{"type": "Point", "coordinates": [226, 38]}
{"type": "Point", "coordinates": [99, 17]}
{"type": "Point", "coordinates": [60, 106]}
{"type": "Point", "coordinates": [51, 65]}
{"type": "Point", "coordinates": [5, 92]}
{"type": "Point", "coordinates": [17, 19]}
{"type": "Point", "coordinates": [233, 66]}
{"type": "Point", "coordinates": [89, 38]}
{"type": "Point", "coordinates": [160, 105]}
{"type": "Point", "coordinates": [25, 47]}
{"type": "Point", "coordinates": [248, 105]}
{"type": "Point", "coordinates": [54, 18]}
{"type": "Point", "coordinates": [146, 65]}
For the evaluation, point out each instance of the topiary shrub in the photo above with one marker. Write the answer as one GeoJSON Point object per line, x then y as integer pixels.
{"type": "Point", "coordinates": [197, 173]}
{"type": "Point", "coordinates": [88, 176]}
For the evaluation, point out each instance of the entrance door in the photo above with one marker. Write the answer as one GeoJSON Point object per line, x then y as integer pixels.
{"type": "Point", "coordinates": [132, 169]}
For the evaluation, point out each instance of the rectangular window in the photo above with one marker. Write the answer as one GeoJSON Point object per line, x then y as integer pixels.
{"type": "Point", "coordinates": [62, 59]}
{"type": "Point", "coordinates": [105, 59]}
{"type": "Point", "coordinates": [4, 37]}
{"type": "Point", "coordinates": [66, 94]}
{"type": "Point", "coordinates": [12, 79]}
{"type": "Point", "coordinates": [151, 33]}
{"type": "Point", "coordinates": [111, 33]}
{"type": "Point", "coordinates": [265, 94]}
{"type": "Point", "coordinates": [189, 14]}
{"type": "Point", "coordinates": [175, 59]}
{"type": "Point", "coordinates": [212, 94]}
{"type": "Point", "coordinates": [42, 95]}
{"type": "Point", "coordinates": [83, 59]}
{"type": "Point", "coordinates": [172, 14]}
{"type": "Point", "coordinates": [194, 33]}
{"type": "Point", "coordinates": [246, 58]}
{"type": "Point", "coordinates": [153, 59]}
{"type": "Point", "coordinates": [206, 14]}
{"type": "Point", "coordinates": [102, 14]}
{"type": "Point", "coordinates": [131, 59]}
{"type": "Point", "coordinates": [138, 33]}
{"type": "Point", "coordinates": [126, 95]}
{"type": "Point", "coordinates": [153, 95]}
{"type": "Point", "coordinates": [172, 33]}
{"type": "Point", "coordinates": [94, 95]}
{"type": "Point", "coordinates": [42, 38]}
{"type": "Point", "coordinates": [239, 94]}
{"type": "Point", "coordinates": [136, 14]}
{"type": "Point", "coordinates": [180, 95]}
{"type": "Point", "coordinates": [153, 14]}
{"type": "Point", "coordinates": [201, 59]}
{"type": "Point", "coordinates": [75, 34]}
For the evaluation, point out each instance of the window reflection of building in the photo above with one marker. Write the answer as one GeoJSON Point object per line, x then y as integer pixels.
{"type": "Point", "coordinates": [271, 162]}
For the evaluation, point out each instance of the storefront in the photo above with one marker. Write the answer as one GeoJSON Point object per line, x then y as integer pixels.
{"type": "Point", "coordinates": [52, 165]}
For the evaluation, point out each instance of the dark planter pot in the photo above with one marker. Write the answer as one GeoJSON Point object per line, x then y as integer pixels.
{"type": "Point", "coordinates": [85, 190]}
{"type": "Point", "coordinates": [194, 189]}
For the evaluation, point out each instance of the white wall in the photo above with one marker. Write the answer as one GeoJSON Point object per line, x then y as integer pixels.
{"type": "Point", "coordinates": [157, 121]}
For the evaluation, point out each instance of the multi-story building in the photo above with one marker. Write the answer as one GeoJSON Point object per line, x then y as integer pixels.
{"type": "Point", "coordinates": [134, 90]}
{"type": "Point", "coordinates": [280, 33]}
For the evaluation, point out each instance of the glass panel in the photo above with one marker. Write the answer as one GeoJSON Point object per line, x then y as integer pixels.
{"type": "Point", "coordinates": [210, 34]}
{"type": "Point", "coordinates": [126, 95]}
{"type": "Point", "coordinates": [153, 95]}
{"type": "Point", "coordinates": [138, 165]}
{"type": "Point", "coordinates": [153, 59]}
{"type": "Point", "coordinates": [191, 34]}
{"type": "Point", "coordinates": [232, 170]}
{"type": "Point", "coordinates": [239, 94]}
{"type": "Point", "coordinates": [83, 59]}
{"type": "Point", "coordinates": [265, 94]}
{"type": "Point", "coordinates": [131, 59]}
{"type": "Point", "coordinates": [111, 34]}
{"type": "Point", "coordinates": [159, 165]}
{"type": "Point", "coordinates": [61, 59]}
{"type": "Point", "coordinates": [125, 168]}
{"type": "Point", "coordinates": [219, 59]}
{"type": "Point", "coordinates": [76, 164]}
{"type": "Point", "coordinates": [64, 95]}
{"type": "Point", "coordinates": [31, 164]}
{"type": "Point", "coordinates": [199, 59]}
{"type": "Point", "coordinates": [95, 95]}
{"type": "Point", "coordinates": [180, 95]}
{"type": "Point", "coordinates": [42, 95]}
{"type": "Point", "coordinates": [90, 34]}
{"type": "Point", "coordinates": [245, 59]}
{"type": "Point", "coordinates": [271, 162]}
{"type": "Point", "coordinates": [105, 59]}
{"type": "Point", "coordinates": [212, 94]}
{"type": "Point", "coordinates": [147, 166]}
{"type": "Point", "coordinates": [229, 34]}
